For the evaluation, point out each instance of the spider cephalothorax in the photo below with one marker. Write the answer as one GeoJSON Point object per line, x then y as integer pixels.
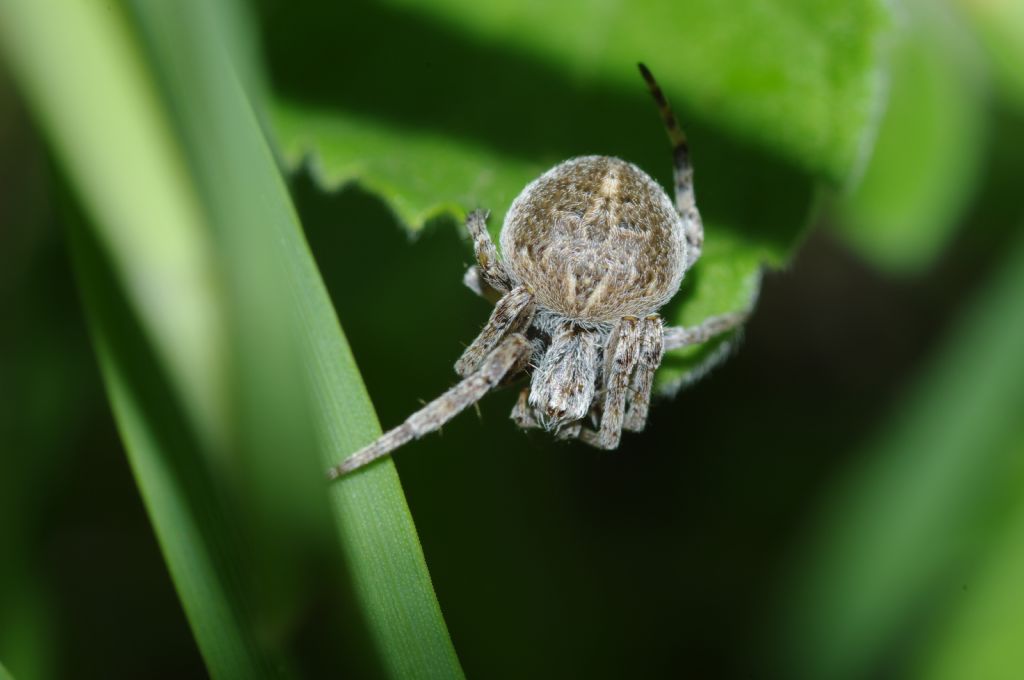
{"type": "Point", "coordinates": [593, 248]}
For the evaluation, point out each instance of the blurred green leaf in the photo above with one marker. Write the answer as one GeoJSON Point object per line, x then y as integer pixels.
{"type": "Point", "coordinates": [4, 675]}
{"type": "Point", "coordinates": [981, 635]}
{"type": "Point", "coordinates": [799, 79]}
{"type": "Point", "coordinates": [501, 95]}
{"type": "Point", "coordinates": [1000, 26]}
{"type": "Point", "coordinates": [927, 160]}
{"type": "Point", "coordinates": [902, 534]}
{"type": "Point", "coordinates": [217, 340]}
{"type": "Point", "coordinates": [419, 173]}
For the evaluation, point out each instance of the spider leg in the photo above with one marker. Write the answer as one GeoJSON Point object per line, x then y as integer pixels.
{"type": "Point", "coordinates": [522, 413]}
{"type": "Point", "coordinates": [686, 204]}
{"type": "Point", "coordinates": [621, 358]}
{"type": "Point", "coordinates": [490, 267]}
{"type": "Point", "coordinates": [649, 358]}
{"type": "Point", "coordinates": [562, 386]}
{"type": "Point", "coordinates": [570, 431]}
{"type": "Point", "coordinates": [677, 336]}
{"type": "Point", "coordinates": [524, 416]}
{"type": "Point", "coordinates": [513, 313]}
{"type": "Point", "coordinates": [474, 280]}
{"type": "Point", "coordinates": [431, 417]}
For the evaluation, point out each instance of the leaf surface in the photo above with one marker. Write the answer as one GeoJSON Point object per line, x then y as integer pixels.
{"type": "Point", "coordinates": [776, 97]}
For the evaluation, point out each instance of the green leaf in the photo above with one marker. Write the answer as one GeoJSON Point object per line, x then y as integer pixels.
{"type": "Point", "coordinates": [1000, 27]}
{"type": "Point", "coordinates": [903, 533]}
{"type": "Point", "coordinates": [434, 175]}
{"type": "Point", "coordinates": [981, 635]}
{"type": "Point", "coordinates": [774, 97]}
{"type": "Point", "coordinates": [231, 381]}
{"type": "Point", "coordinates": [799, 79]}
{"type": "Point", "coordinates": [4, 675]}
{"type": "Point", "coordinates": [927, 160]}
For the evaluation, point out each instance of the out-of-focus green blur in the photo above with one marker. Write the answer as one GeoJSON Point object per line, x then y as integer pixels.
{"type": "Point", "coordinates": [844, 498]}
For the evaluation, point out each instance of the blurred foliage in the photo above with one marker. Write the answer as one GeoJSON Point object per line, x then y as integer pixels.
{"type": "Point", "coordinates": [1000, 28]}
{"type": "Point", "coordinates": [905, 531]}
{"type": "Point", "coordinates": [220, 350]}
{"type": "Point", "coordinates": [981, 634]}
{"type": "Point", "coordinates": [926, 163]}
{"type": "Point", "coordinates": [842, 499]}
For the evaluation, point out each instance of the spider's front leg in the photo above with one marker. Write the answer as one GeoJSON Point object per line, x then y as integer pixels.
{"type": "Point", "coordinates": [652, 343]}
{"type": "Point", "coordinates": [512, 314]}
{"type": "Point", "coordinates": [686, 203]}
{"type": "Point", "coordinates": [488, 278]}
{"type": "Point", "coordinates": [622, 355]}
{"type": "Point", "coordinates": [525, 417]}
{"type": "Point", "coordinates": [508, 357]}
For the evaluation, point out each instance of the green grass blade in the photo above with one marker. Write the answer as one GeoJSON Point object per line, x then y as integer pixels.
{"type": "Point", "coordinates": [184, 201]}
{"type": "Point", "coordinates": [197, 539]}
{"type": "Point", "coordinates": [81, 73]}
{"type": "Point", "coordinates": [377, 534]}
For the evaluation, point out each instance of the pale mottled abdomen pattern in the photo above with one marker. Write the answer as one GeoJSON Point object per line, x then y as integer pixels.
{"type": "Point", "coordinates": [596, 239]}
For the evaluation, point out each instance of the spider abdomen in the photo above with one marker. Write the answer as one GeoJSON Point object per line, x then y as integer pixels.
{"type": "Point", "coordinates": [596, 239]}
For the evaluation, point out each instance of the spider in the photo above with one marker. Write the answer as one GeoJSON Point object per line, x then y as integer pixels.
{"type": "Point", "coordinates": [593, 248]}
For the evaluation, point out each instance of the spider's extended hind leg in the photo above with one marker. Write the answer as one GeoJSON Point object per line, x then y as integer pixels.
{"type": "Point", "coordinates": [621, 358]}
{"type": "Point", "coordinates": [490, 271]}
{"type": "Point", "coordinates": [507, 357]}
{"type": "Point", "coordinates": [512, 314]}
{"type": "Point", "coordinates": [677, 336]}
{"type": "Point", "coordinates": [686, 204]}
{"type": "Point", "coordinates": [652, 344]}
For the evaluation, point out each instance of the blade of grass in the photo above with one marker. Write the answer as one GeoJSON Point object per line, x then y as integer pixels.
{"type": "Point", "coordinates": [234, 194]}
{"type": "Point", "coordinates": [376, 529]}
{"type": "Point", "coordinates": [197, 539]}
{"type": "Point", "coordinates": [81, 74]}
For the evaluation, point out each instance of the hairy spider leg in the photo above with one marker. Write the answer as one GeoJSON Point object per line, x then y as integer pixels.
{"type": "Point", "coordinates": [523, 415]}
{"type": "Point", "coordinates": [505, 358]}
{"type": "Point", "coordinates": [686, 202]}
{"type": "Point", "coordinates": [621, 357]}
{"type": "Point", "coordinates": [474, 280]}
{"type": "Point", "coordinates": [652, 344]}
{"type": "Point", "coordinates": [677, 336]}
{"type": "Point", "coordinates": [490, 267]}
{"type": "Point", "coordinates": [562, 386]}
{"type": "Point", "coordinates": [513, 313]}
